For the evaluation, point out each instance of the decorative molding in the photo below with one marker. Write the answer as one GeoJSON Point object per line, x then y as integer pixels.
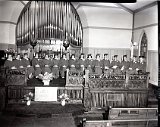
{"type": "Point", "coordinates": [123, 7]}
{"type": "Point", "coordinates": [141, 27]}
{"type": "Point", "coordinates": [91, 5]}
{"type": "Point", "coordinates": [145, 7]}
{"type": "Point", "coordinates": [99, 27]}
{"type": "Point", "coordinates": [8, 22]}
{"type": "Point", "coordinates": [23, 3]}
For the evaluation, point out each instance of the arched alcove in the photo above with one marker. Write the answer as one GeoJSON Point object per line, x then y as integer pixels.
{"type": "Point", "coordinates": [48, 23]}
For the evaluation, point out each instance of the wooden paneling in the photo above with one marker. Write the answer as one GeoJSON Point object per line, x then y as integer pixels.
{"type": "Point", "coordinates": [7, 46]}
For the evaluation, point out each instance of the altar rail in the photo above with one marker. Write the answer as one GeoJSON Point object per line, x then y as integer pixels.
{"type": "Point", "coordinates": [122, 123]}
{"type": "Point", "coordinates": [16, 93]}
{"type": "Point", "coordinates": [133, 113]}
{"type": "Point", "coordinates": [116, 90]}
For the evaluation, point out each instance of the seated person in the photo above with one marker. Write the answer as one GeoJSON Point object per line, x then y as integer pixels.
{"type": "Point", "coordinates": [9, 62]}
{"type": "Point", "coordinates": [97, 65]}
{"type": "Point", "coordinates": [115, 65]}
{"type": "Point", "coordinates": [88, 63]}
{"type": "Point", "coordinates": [106, 65]}
{"type": "Point", "coordinates": [63, 64]}
{"type": "Point", "coordinates": [124, 64]}
{"type": "Point", "coordinates": [142, 65]}
{"type": "Point", "coordinates": [55, 66]}
{"type": "Point", "coordinates": [46, 64]}
{"type": "Point", "coordinates": [72, 63]}
{"type": "Point", "coordinates": [133, 66]}
{"type": "Point", "coordinates": [81, 62]}
{"type": "Point", "coordinates": [26, 64]}
{"type": "Point", "coordinates": [36, 63]}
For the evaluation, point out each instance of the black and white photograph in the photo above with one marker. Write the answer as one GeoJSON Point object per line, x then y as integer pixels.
{"type": "Point", "coordinates": [79, 64]}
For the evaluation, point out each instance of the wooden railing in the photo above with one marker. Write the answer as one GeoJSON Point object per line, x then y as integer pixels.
{"type": "Point", "coordinates": [122, 123]}
{"type": "Point", "coordinates": [16, 93]}
{"type": "Point", "coordinates": [95, 91]}
{"type": "Point", "coordinates": [116, 90]}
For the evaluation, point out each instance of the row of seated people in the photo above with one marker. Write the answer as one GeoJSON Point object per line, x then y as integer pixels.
{"type": "Point", "coordinates": [58, 66]}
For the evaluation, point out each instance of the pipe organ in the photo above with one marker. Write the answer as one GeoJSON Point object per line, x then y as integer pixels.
{"type": "Point", "coordinates": [49, 20]}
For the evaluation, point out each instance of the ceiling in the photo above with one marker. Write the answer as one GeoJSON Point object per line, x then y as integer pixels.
{"type": "Point", "coordinates": [130, 6]}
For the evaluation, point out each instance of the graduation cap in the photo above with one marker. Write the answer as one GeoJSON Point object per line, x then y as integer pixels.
{"type": "Point", "coordinates": [97, 55]}
{"type": "Point", "coordinates": [64, 54]}
{"type": "Point", "coordinates": [124, 56]}
{"type": "Point", "coordinates": [141, 56]}
{"type": "Point", "coordinates": [115, 55]}
{"type": "Point", "coordinates": [134, 56]}
{"type": "Point", "coordinates": [82, 54]}
{"type": "Point", "coordinates": [89, 55]}
{"type": "Point", "coordinates": [72, 55]}
{"type": "Point", "coordinates": [105, 54]}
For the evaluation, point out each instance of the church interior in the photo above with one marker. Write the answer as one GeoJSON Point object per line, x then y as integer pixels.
{"type": "Point", "coordinates": [78, 64]}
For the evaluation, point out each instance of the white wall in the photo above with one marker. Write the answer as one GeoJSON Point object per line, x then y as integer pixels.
{"type": "Point", "coordinates": [147, 21]}
{"type": "Point", "coordinates": [107, 27]}
{"type": "Point", "coordinates": [9, 13]}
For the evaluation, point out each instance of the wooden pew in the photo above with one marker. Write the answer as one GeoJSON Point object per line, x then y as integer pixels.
{"type": "Point", "coordinates": [122, 123]}
{"type": "Point", "coordinates": [133, 113]}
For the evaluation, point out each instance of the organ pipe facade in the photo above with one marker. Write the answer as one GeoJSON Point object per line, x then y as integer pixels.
{"type": "Point", "coordinates": [46, 20]}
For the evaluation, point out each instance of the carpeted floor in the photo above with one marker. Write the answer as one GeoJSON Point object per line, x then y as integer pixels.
{"type": "Point", "coordinates": [40, 115]}
{"type": "Point", "coordinates": [15, 121]}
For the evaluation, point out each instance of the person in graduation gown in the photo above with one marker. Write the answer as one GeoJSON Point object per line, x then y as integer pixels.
{"type": "Point", "coordinates": [106, 65]}
{"type": "Point", "coordinates": [124, 64]}
{"type": "Point", "coordinates": [46, 64]}
{"type": "Point", "coordinates": [63, 64]}
{"type": "Point", "coordinates": [36, 63]}
{"type": "Point", "coordinates": [18, 62]}
{"type": "Point", "coordinates": [115, 65]}
{"type": "Point", "coordinates": [81, 63]}
{"type": "Point", "coordinates": [72, 63]}
{"type": "Point", "coordinates": [133, 66]}
{"type": "Point", "coordinates": [88, 63]}
{"type": "Point", "coordinates": [26, 64]}
{"type": "Point", "coordinates": [55, 66]}
{"type": "Point", "coordinates": [9, 64]}
{"type": "Point", "coordinates": [142, 65]}
{"type": "Point", "coordinates": [97, 65]}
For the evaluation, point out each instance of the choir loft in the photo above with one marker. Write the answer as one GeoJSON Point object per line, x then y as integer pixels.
{"type": "Point", "coordinates": [89, 64]}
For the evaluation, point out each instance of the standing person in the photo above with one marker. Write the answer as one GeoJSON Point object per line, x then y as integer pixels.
{"type": "Point", "coordinates": [124, 64]}
{"type": "Point", "coordinates": [72, 63]}
{"type": "Point", "coordinates": [133, 66]}
{"type": "Point", "coordinates": [55, 66]}
{"type": "Point", "coordinates": [18, 62]}
{"type": "Point", "coordinates": [46, 64]}
{"type": "Point", "coordinates": [9, 64]}
{"type": "Point", "coordinates": [97, 64]}
{"type": "Point", "coordinates": [36, 63]}
{"type": "Point", "coordinates": [81, 62]}
{"type": "Point", "coordinates": [106, 65]}
{"type": "Point", "coordinates": [88, 63]}
{"type": "Point", "coordinates": [115, 65]}
{"type": "Point", "coordinates": [63, 64]}
{"type": "Point", "coordinates": [26, 64]}
{"type": "Point", "coordinates": [142, 65]}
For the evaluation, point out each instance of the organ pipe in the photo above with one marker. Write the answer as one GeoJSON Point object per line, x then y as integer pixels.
{"type": "Point", "coordinates": [41, 20]}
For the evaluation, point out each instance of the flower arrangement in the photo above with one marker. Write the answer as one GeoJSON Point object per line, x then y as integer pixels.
{"type": "Point", "coordinates": [63, 98]}
{"type": "Point", "coordinates": [28, 97]}
{"type": "Point", "coordinates": [46, 77]}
